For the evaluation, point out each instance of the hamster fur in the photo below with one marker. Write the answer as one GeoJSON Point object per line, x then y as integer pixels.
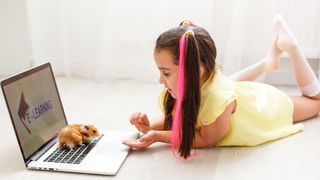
{"type": "Point", "coordinates": [76, 134]}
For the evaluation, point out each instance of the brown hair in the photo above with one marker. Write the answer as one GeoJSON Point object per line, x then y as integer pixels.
{"type": "Point", "coordinates": [200, 50]}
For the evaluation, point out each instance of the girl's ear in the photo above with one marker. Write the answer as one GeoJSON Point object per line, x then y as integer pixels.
{"type": "Point", "coordinates": [203, 74]}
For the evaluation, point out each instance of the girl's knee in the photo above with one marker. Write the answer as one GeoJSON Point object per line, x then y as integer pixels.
{"type": "Point", "coordinates": [305, 108]}
{"type": "Point", "coordinates": [316, 97]}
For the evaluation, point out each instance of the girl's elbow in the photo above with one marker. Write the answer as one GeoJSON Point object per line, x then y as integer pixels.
{"type": "Point", "coordinates": [214, 141]}
{"type": "Point", "coordinates": [205, 144]}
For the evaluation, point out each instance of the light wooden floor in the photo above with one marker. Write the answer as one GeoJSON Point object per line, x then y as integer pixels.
{"type": "Point", "coordinates": [109, 105]}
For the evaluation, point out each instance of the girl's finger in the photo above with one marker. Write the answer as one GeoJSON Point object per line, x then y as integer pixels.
{"type": "Point", "coordinates": [138, 126]}
{"type": "Point", "coordinates": [145, 138]}
{"type": "Point", "coordinates": [131, 120]}
{"type": "Point", "coordinates": [143, 119]}
{"type": "Point", "coordinates": [142, 139]}
{"type": "Point", "coordinates": [134, 118]}
{"type": "Point", "coordinates": [140, 118]}
{"type": "Point", "coordinates": [133, 143]}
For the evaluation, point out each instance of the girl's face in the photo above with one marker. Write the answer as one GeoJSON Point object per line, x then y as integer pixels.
{"type": "Point", "coordinates": [168, 71]}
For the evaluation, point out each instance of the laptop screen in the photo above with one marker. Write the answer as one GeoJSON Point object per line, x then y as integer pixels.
{"type": "Point", "coordinates": [35, 108]}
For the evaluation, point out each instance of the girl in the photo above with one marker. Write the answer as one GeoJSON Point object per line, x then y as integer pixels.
{"type": "Point", "coordinates": [202, 107]}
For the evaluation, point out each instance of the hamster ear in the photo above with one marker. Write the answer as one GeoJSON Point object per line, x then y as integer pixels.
{"type": "Point", "coordinates": [86, 127]}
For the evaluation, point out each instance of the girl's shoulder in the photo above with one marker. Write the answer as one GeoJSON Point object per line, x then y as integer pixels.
{"type": "Point", "coordinates": [217, 83]}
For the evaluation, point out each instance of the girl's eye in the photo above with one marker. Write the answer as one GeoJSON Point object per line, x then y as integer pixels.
{"type": "Point", "coordinates": [166, 74]}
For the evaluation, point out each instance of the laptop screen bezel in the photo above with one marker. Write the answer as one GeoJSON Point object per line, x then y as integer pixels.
{"type": "Point", "coordinates": [17, 77]}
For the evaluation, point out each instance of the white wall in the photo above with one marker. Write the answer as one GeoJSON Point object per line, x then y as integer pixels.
{"type": "Point", "coordinates": [107, 39]}
{"type": "Point", "coordinates": [15, 50]}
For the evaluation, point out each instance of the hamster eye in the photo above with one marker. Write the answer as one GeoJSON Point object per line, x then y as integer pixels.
{"type": "Point", "coordinates": [94, 131]}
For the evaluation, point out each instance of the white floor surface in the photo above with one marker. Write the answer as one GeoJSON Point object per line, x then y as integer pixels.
{"type": "Point", "coordinates": [109, 105]}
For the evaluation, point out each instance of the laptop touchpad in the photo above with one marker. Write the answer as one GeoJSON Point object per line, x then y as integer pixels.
{"type": "Point", "coordinates": [111, 148]}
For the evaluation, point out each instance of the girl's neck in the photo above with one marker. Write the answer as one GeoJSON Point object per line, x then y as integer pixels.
{"type": "Point", "coordinates": [204, 78]}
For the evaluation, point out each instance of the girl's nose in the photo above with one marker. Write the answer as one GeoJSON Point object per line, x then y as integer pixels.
{"type": "Point", "coordinates": [161, 80]}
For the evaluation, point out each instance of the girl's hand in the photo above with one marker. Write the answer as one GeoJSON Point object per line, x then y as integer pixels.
{"type": "Point", "coordinates": [140, 121]}
{"type": "Point", "coordinates": [143, 142]}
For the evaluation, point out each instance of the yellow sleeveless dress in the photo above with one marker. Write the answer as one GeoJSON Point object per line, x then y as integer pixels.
{"type": "Point", "coordinates": [263, 112]}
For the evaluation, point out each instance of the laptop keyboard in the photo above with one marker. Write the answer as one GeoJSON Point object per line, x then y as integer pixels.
{"type": "Point", "coordinates": [74, 156]}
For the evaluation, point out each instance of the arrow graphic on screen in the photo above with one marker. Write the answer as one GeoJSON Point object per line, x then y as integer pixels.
{"type": "Point", "coordinates": [23, 108]}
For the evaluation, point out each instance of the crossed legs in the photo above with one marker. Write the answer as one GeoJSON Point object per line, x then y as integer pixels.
{"type": "Point", "coordinates": [305, 106]}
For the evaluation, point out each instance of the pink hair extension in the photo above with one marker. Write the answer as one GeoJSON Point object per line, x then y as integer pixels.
{"type": "Point", "coordinates": [176, 127]}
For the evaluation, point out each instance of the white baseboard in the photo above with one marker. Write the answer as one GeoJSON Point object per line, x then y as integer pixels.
{"type": "Point", "coordinates": [285, 74]}
{"type": "Point", "coordinates": [281, 78]}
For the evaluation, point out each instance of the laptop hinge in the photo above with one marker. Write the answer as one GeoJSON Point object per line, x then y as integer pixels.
{"type": "Point", "coordinates": [42, 151]}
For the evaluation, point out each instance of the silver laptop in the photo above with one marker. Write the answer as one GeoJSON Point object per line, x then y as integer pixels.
{"type": "Point", "coordinates": [37, 116]}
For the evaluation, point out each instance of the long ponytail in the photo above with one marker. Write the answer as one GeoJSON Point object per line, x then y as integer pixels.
{"type": "Point", "coordinates": [188, 95]}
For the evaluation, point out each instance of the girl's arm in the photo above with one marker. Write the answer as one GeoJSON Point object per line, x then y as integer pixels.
{"type": "Point", "coordinates": [207, 136]}
{"type": "Point", "coordinates": [157, 123]}
{"type": "Point", "coordinates": [211, 134]}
